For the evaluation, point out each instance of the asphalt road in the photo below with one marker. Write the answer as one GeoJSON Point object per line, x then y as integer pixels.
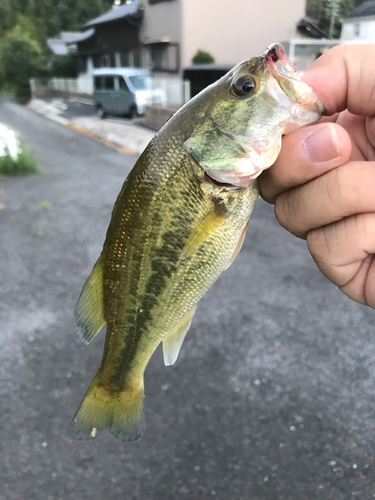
{"type": "Point", "coordinates": [272, 397]}
{"type": "Point", "coordinates": [76, 107]}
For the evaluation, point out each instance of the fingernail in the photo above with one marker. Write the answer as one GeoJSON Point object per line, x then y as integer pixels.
{"type": "Point", "coordinates": [322, 145]}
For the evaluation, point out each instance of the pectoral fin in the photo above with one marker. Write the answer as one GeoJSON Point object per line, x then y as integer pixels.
{"type": "Point", "coordinates": [238, 247]}
{"type": "Point", "coordinates": [88, 313]}
{"type": "Point", "coordinates": [204, 229]}
{"type": "Point", "coordinates": [172, 342]}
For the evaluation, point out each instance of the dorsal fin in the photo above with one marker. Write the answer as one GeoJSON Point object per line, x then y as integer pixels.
{"type": "Point", "coordinates": [172, 342]}
{"type": "Point", "coordinates": [88, 313]}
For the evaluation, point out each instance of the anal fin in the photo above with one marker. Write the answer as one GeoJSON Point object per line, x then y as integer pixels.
{"type": "Point", "coordinates": [172, 342]}
{"type": "Point", "coordinates": [88, 314]}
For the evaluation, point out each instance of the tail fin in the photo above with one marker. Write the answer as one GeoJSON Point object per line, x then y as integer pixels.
{"type": "Point", "coordinates": [120, 413]}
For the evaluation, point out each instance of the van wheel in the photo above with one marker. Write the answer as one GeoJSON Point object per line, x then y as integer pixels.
{"type": "Point", "coordinates": [133, 112]}
{"type": "Point", "coordinates": [100, 112]}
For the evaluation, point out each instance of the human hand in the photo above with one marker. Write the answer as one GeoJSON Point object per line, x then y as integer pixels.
{"type": "Point", "coordinates": [323, 183]}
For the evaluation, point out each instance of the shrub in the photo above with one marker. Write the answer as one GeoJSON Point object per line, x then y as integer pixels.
{"type": "Point", "coordinates": [202, 57]}
{"type": "Point", "coordinates": [24, 164]}
{"type": "Point", "coordinates": [64, 66]}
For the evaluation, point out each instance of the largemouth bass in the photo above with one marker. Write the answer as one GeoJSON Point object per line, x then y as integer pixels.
{"type": "Point", "coordinates": [178, 223]}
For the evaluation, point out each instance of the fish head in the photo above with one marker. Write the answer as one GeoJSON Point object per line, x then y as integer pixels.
{"type": "Point", "coordinates": [248, 111]}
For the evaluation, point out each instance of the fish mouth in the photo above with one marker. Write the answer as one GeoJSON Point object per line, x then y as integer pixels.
{"type": "Point", "coordinates": [284, 72]}
{"type": "Point", "coordinates": [276, 53]}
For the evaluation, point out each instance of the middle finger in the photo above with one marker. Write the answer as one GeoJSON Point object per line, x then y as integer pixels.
{"type": "Point", "coordinates": [341, 192]}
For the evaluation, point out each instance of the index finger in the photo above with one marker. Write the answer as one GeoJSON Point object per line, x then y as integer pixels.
{"type": "Point", "coordinates": [343, 78]}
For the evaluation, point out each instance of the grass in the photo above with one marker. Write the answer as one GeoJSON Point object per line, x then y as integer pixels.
{"type": "Point", "coordinates": [25, 164]}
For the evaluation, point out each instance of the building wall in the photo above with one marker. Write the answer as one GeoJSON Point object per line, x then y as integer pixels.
{"type": "Point", "coordinates": [161, 21]}
{"type": "Point", "coordinates": [161, 24]}
{"type": "Point", "coordinates": [359, 30]}
{"type": "Point", "coordinates": [237, 29]}
{"type": "Point", "coordinates": [111, 38]}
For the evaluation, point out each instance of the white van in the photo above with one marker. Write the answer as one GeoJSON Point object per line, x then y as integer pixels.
{"type": "Point", "coordinates": [125, 91]}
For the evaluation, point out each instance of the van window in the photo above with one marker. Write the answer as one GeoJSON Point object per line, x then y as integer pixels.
{"type": "Point", "coordinates": [123, 85]}
{"type": "Point", "coordinates": [109, 83]}
{"type": "Point", "coordinates": [98, 83]}
{"type": "Point", "coordinates": [140, 82]}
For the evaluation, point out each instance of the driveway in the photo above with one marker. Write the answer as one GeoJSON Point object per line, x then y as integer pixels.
{"type": "Point", "coordinates": [273, 394]}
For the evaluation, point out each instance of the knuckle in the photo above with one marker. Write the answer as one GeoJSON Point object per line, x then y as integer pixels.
{"type": "Point", "coordinates": [267, 188]}
{"type": "Point", "coordinates": [280, 208]}
{"type": "Point", "coordinates": [351, 187]}
{"type": "Point", "coordinates": [318, 244]}
{"type": "Point", "coordinates": [287, 208]}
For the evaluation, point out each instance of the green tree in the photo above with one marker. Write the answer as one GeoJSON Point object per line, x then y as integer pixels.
{"type": "Point", "coordinates": [6, 16]}
{"type": "Point", "coordinates": [73, 14]}
{"type": "Point", "coordinates": [337, 9]}
{"type": "Point", "coordinates": [51, 16]}
{"type": "Point", "coordinates": [203, 57]}
{"type": "Point", "coordinates": [21, 57]}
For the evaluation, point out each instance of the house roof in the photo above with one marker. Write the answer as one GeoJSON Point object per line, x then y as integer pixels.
{"type": "Point", "coordinates": [84, 35]}
{"type": "Point", "coordinates": [70, 36]}
{"type": "Point", "coordinates": [116, 12]}
{"type": "Point", "coordinates": [59, 46]}
{"type": "Point", "coordinates": [309, 27]}
{"type": "Point", "coordinates": [364, 10]}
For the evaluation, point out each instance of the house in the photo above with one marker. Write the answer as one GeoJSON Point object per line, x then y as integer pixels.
{"type": "Point", "coordinates": [164, 35]}
{"type": "Point", "coordinates": [358, 26]}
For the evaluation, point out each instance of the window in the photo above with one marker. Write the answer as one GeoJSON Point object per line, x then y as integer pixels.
{"type": "Point", "coordinates": [123, 85]}
{"type": "Point", "coordinates": [357, 30]}
{"type": "Point", "coordinates": [98, 83]}
{"type": "Point", "coordinates": [109, 83]}
{"type": "Point", "coordinates": [103, 61]}
{"type": "Point", "coordinates": [164, 57]}
{"type": "Point", "coordinates": [141, 82]}
{"type": "Point", "coordinates": [127, 59]}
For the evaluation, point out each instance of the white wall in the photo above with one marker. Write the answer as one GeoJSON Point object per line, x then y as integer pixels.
{"type": "Point", "coordinates": [234, 30]}
{"type": "Point", "coordinates": [85, 80]}
{"type": "Point", "coordinates": [361, 30]}
{"type": "Point", "coordinates": [162, 20]}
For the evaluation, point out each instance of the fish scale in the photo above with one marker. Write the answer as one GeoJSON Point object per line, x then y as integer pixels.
{"type": "Point", "coordinates": [177, 224]}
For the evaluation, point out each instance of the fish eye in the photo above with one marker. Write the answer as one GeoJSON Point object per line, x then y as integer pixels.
{"type": "Point", "coordinates": [243, 85]}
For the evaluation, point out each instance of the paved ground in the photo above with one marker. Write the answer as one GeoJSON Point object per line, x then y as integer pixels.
{"type": "Point", "coordinates": [75, 107]}
{"type": "Point", "coordinates": [125, 133]}
{"type": "Point", "coordinates": [272, 397]}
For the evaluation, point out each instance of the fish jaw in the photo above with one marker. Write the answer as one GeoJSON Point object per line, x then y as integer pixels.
{"type": "Point", "coordinates": [255, 160]}
{"type": "Point", "coordinates": [303, 105]}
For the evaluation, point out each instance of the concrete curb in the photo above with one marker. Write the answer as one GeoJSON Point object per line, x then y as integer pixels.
{"type": "Point", "coordinates": [106, 142]}
{"type": "Point", "coordinates": [124, 137]}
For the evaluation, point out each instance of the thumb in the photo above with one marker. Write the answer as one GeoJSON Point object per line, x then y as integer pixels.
{"type": "Point", "coordinates": [305, 154]}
